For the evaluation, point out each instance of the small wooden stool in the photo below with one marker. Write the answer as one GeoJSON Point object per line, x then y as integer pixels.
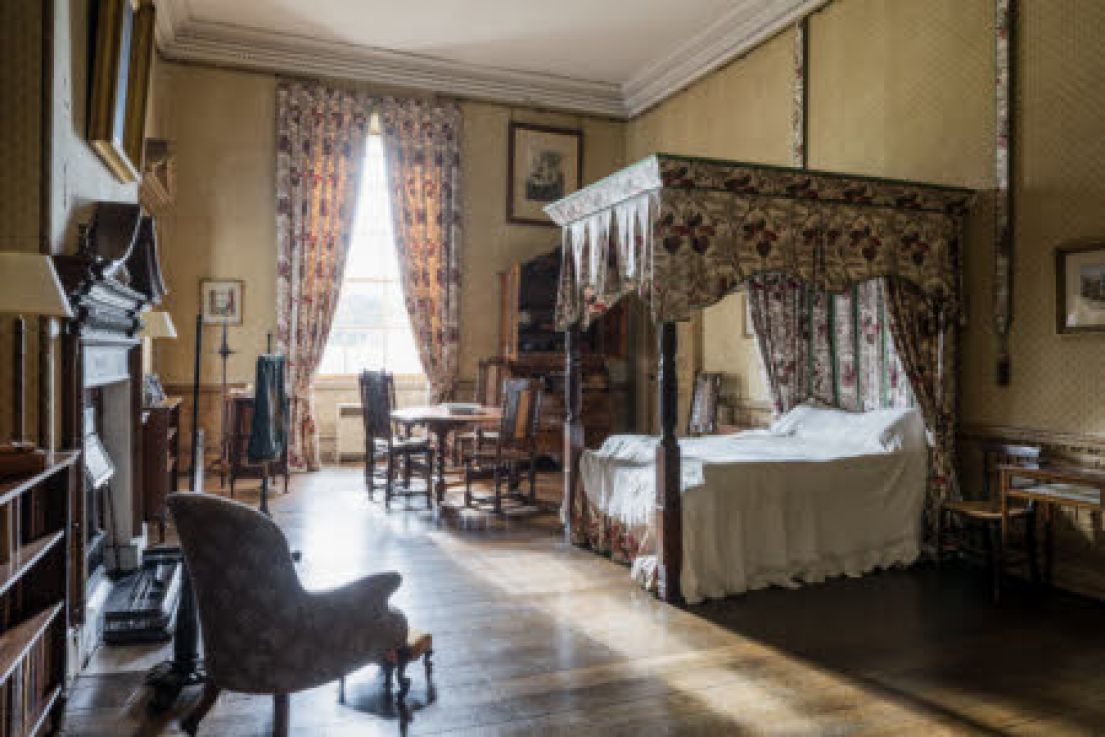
{"type": "Point", "coordinates": [419, 645]}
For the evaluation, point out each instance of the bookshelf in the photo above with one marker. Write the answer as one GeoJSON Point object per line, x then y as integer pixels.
{"type": "Point", "coordinates": [34, 586]}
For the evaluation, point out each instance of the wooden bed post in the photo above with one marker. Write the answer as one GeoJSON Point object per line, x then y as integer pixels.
{"type": "Point", "coordinates": [573, 423]}
{"type": "Point", "coordinates": [669, 504]}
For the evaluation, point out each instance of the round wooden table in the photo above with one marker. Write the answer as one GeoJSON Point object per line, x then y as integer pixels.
{"type": "Point", "coordinates": [439, 421]}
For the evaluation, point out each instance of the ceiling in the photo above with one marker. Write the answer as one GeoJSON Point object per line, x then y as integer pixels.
{"type": "Point", "coordinates": [610, 57]}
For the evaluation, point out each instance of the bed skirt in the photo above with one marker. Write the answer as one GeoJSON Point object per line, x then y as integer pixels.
{"type": "Point", "coordinates": [630, 545]}
{"type": "Point", "coordinates": [635, 547]}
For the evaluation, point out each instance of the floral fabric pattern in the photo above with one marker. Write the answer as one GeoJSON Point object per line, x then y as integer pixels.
{"type": "Point", "coordinates": [833, 348]}
{"type": "Point", "coordinates": [621, 542]}
{"type": "Point", "coordinates": [422, 146]}
{"type": "Point", "coordinates": [321, 135]}
{"type": "Point", "coordinates": [683, 232]}
{"type": "Point", "coordinates": [925, 339]}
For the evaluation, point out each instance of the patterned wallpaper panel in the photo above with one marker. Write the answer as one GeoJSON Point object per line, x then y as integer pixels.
{"type": "Point", "coordinates": [1057, 381]}
{"type": "Point", "coordinates": [20, 165]}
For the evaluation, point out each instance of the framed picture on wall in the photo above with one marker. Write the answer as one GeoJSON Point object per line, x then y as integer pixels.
{"type": "Point", "coordinates": [221, 301]}
{"type": "Point", "coordinates": [543, 165]}
{"type": "Point", "coordinates": [124, 42]}
{"type": "Point", "coordinates": [1080, 287]}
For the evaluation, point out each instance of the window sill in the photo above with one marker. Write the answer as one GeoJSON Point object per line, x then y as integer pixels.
{"type": "Point", "coordinates": [349, 381]}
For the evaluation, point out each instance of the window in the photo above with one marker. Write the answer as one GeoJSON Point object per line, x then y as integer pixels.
{"type": "Point", "coordinates": [371, 328]}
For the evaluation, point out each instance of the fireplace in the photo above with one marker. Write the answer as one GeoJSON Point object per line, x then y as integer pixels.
{"type": "Point", "coordinates": [113, 277]}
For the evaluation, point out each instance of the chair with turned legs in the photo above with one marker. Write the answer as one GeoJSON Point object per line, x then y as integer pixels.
{"type": "Point", "coordinates": [515, 445]}
{"type": "Point", "coordinates": [490, 374]}
{"type": "Point", "coordinates": [262, 632]}
{"type": "Point", "coordinates": [400, 453]}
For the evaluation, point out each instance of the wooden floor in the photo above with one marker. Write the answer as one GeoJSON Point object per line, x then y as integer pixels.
{"type": "Point", "coordinates": [537, 638]}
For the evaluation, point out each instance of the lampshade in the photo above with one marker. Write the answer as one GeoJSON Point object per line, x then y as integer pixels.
{"type": "Point", "coordinates": [158, 324]}
{"type": "Point", "coordinates": [30, 286]}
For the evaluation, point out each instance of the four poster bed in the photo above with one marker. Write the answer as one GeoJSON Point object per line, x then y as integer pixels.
{"type": "Point", "coordinates": [824, 492]}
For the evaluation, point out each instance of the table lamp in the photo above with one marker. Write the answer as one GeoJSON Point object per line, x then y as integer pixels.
{"type": "Point", "coordinates": [157, 325]}
{"type": "Point", "coordinates": [29, 285]}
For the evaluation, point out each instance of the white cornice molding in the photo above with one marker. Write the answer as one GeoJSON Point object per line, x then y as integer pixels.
{"type": "Point", "coordinates": [182, 37]}
{"type": "Point", "coordinates": [737, 32]}
{"type": "Point", "coordinates": [188, 39]}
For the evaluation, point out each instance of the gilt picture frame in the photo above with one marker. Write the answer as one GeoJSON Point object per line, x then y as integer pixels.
{"type": "Point", "coordinates": [1080, 287]}
{"type": "Point", "coordinates": [221, 300]}
{"type": "Point", "coordinates": [544, 164]}
{"type": "Point", "coordinates": [124, 43]}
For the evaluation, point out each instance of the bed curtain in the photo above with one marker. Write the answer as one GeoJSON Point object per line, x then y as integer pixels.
{"type": "Point", "coordinates": [836, 349]}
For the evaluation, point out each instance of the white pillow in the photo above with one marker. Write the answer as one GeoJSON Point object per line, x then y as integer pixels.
{"type": "Point", "coordinates": [797, 417]}
{"type": "Point", "coordinates": [880, 430]}
{"type": "Point", "coordinates": [904, 430]}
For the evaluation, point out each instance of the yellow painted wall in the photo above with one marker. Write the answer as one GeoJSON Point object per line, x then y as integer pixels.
{"type": "Point", "coordinates": [1057, 380]}
{"type": "Point", "coordinates": [223, 223]}
{"type": "Point", "coordinates": [221, 123]}
{"type": "Point", "coordinates": [222, 126]}
{"type": "Point", "coordinates": [742, 112]}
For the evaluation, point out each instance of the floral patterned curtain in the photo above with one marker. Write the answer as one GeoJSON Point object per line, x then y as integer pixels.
{"type": "Point", "coordinates": [422, 146]}
{"type": "Point", "coordinates": [835, 348]}
{"type": "Point", "coordinates": [321, 135]}
{"type": "Point", "coordinates": [779, 305]}
{"type": "Point", "coordinates": [925, 337]}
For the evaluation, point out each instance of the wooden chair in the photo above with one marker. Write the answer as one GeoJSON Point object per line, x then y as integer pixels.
{"type": "Point", "coordinates": [702, 419]}
{"type": "Point", "coordinates": [381, 442]}
{"type": "Point", "coordinates": [985, 514]}
{"type": "Point", "coordinates": [489, 391]}
{"type": "Point", "coordinates": [516, 442]}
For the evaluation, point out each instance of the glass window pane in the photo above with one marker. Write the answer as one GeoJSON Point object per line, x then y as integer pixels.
{"type": "Point", "coordinates": [371, 326]}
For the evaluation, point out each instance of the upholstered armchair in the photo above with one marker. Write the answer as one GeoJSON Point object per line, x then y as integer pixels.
{"type": "Point", "coordinates": [263, 633]}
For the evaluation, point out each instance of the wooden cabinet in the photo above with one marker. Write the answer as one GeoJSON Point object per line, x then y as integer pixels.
{"type": "Point", "coordinates": [35, 537]}
{"type": "Point", "coordinates": [160, 458]}
{"type": "Point", "coordinates": [529, 340]}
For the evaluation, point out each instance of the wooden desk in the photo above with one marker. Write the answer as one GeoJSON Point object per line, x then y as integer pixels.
{"type": "Point", "coordinates": [440, 422]}
{"type": "Point", "coordinates": [160, 458]}
{"type": "Point", "coordinates": [239, 415]}
{"type": "Point", "coordinates": [1049, 487]}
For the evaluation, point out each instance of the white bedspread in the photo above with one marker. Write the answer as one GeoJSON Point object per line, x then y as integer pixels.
{"type": "Point", "coordinates": [778, 507]}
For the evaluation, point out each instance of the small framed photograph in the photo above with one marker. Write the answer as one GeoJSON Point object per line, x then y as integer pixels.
{"type": "Point", "coordinates": [221, 301]}
{"type": "Point", "coordinates": [544, 165]}
{"type": "Point", "coordinates": [1080, 287]}
{"type": "Point", "coordinates": [153, 393]}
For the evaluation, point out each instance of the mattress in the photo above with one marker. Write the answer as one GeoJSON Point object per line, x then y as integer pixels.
{"type": "Point", "coordinates": [823, 493]}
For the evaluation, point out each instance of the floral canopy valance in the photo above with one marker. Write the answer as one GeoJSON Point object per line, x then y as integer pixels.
{"type": "Point", "coordinates": [683, 232]}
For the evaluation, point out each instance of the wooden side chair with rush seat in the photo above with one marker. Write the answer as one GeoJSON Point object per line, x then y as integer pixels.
{"type": "Point", "coordinates": [263, 633]}
{"type": "Point", "coordinates": [959, 520]}
{"type": "Point", "coordinates": [489, 391]}
{"type": "Point", "coordinates": [516, 443]}
{"type": "Point", "coordinates": [383, 444]}
{"type": "Point", "coordinates": [702, 418]}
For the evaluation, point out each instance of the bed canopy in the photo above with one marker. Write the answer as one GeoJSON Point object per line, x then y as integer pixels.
{"type": "Point", "coordinates": [683, 232]}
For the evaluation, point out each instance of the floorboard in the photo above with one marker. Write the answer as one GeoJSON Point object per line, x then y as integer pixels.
{"type": "Point", "coordinates": [535, 637]}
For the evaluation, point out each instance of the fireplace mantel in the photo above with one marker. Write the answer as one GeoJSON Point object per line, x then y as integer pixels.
{"type": "Point", "coordinates": [113, 277]}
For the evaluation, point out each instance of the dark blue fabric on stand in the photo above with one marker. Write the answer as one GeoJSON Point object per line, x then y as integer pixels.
{"type": "Point", "coordinates": [270, 411]}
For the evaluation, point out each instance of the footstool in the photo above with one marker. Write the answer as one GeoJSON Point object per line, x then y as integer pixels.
{"type": "Point", "coordinates": [419, 645]}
